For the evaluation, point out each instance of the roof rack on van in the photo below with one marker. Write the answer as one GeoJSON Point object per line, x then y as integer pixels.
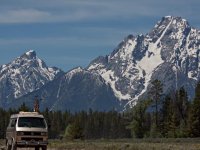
{"type": "Point", "coordinates": [28, 113]}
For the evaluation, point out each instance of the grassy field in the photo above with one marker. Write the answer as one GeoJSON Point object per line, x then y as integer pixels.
{"type": "Point", "coordinates": [124, 144]}
{"type": "Point", "coordinates": [128, 144]}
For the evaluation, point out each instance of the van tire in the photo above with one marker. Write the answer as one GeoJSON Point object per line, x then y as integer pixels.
{"type": "Point", "coordinates": [13, 147]}
{"type": "Point", "coordinates": [44, 148]}
{"type": "Point", "coordinates": [37, 148]}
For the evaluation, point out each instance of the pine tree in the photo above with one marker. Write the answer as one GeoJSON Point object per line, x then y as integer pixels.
{"type": "Point", "coordinates": [23, 107]}
{"type": "Point", "coordinates": [182, 108]}
{"type": "Point", "coordinates": [166, 114]}
{"type": "Point", "coordinates": [155, 93]}
{"type": "Point", "coordinates": [138, 124]}
{"type": "Point", "coordinates": [73, 131]}
{"type": "Point", "coordinates": [194, 119]}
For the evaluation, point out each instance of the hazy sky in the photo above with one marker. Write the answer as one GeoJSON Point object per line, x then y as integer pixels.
{"type": "Point", "coordinates": [70, 33]}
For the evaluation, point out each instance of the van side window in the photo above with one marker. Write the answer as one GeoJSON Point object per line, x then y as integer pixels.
{"type": "Point", "coordinates": [12, 122]}
{"type": "Point", "coordinates": [9, 125]}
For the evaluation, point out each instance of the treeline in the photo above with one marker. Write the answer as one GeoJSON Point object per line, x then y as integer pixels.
{"type": "Point", "coordinates": [80, 125]}
{"type": "Point", "coordinates": [87, 125]}
{"type": "Point", "coordinates": [171, 116]}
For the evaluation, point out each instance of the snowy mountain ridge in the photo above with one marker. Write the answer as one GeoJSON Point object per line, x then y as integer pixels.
{"type": "Point", "coordinates": [130, 68]}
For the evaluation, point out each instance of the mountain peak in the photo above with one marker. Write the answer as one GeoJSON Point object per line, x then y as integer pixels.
{"type": "Point", "coordinates": [25, 74]}
{"type": "Point", "coordinates": [31, 54]}
{"type": "Point", "coordinates": [138, 60]}
{"type": "Point", "coordinates": [176, 21]}
{"type": "Point", "coordinates": [73, 71]}
{"type": "Point", "coordinates": [168, 17]}
{"type": "Point", "coordinates": [169, 26]}
{"type": "Point", "coordinates": [174, 18]}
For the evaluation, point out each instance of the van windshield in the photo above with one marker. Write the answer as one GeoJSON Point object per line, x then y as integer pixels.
{"type": "Point", "coordinates": [31, 122]}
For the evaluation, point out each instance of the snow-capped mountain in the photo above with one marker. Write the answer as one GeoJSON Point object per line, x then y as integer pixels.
{"type": "Point", "coordinates": [23, 75]}
{"type": "Point", "coordinates": [169, 52]}
{"type": "Point", "coordinates": [76, 90]}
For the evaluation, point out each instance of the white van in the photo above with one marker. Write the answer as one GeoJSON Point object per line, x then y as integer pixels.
{"type": "Point", "coordinates": [27, 129]}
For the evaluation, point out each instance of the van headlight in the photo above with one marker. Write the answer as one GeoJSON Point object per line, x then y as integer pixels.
{"type": "Point", "coordinates": [44, 133]}
{"type": "Point", "coordinates": [19, 133]}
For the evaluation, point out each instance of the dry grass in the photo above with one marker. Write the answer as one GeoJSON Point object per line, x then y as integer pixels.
{"type": "Point", "coordinates": [135, 144]}
{"type": "Point", "coordinates": [123, 144]}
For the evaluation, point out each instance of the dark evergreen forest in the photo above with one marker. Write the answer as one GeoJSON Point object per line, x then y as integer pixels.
{"type": "Point", "coordinates": [159, 116]}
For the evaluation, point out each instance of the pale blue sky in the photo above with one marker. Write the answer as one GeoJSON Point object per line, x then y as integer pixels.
{"type": "Point", "coordinates": [70, 33]}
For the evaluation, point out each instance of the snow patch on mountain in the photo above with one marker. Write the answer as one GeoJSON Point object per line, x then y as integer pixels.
{"type": "Point", "coordinates": [152, 59]}
{"type": "Point", "coordinates": [111, 79]}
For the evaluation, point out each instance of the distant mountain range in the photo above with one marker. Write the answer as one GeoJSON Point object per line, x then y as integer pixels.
{"type": "Point", "coordinates": [169, 53]}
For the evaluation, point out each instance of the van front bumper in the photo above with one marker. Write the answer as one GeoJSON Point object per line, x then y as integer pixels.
{"type": "Point", "coordinates": [31, 143]}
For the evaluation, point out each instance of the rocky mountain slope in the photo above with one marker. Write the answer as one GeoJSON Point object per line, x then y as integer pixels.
{"type": "Point", "coordinates": [76, 90]}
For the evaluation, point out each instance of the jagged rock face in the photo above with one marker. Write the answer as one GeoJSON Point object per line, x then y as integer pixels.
{"type": "Point", "coordinates": [24, 75]}
{"type": "Point", "coordinates": [77, 90]}
{"type": "Point", "coordinates": [169, 52]}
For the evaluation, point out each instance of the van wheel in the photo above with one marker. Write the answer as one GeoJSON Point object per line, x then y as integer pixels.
{"type": "Point", "coordinates": [8, 146]}
{"type": "Point", "coordinates": [13, 147]}
{"type": "Point", "coordinates": [37, 148]}
{"type": "Point", "coordinates": [44, 148]}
